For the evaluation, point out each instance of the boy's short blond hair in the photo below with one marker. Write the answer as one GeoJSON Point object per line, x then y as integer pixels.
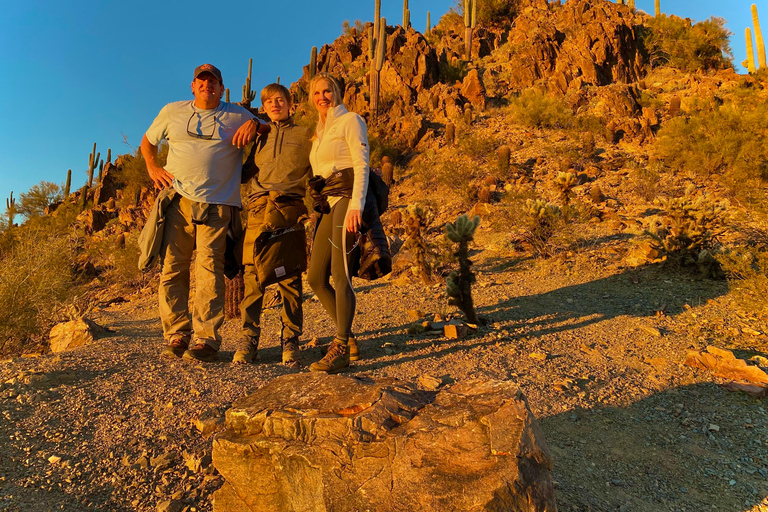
{"type": "Point", "coordinates": [272, 89]}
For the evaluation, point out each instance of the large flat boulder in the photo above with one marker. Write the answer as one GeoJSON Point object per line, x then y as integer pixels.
{"type": "Point", "coordinates": [316, 442]}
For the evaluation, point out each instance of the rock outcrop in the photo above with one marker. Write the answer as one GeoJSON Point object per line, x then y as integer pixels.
{"type": "Point", "coordinates": [333, 443]}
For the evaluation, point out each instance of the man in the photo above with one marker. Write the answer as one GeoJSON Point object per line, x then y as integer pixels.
{"type": "Point", "coordinates": [205, 137]}
{"type": "Point", "coordinates": [278, 169]}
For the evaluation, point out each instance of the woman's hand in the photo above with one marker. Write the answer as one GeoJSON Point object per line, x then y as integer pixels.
{"type": "Point", "coordinates": [354, 221]}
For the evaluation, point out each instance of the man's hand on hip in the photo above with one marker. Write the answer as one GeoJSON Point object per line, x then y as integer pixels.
{"type": "Point", "coordinates": [159, 176]}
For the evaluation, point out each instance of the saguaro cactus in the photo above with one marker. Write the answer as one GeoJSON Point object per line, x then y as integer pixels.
{"type": "Point", "coordinates": [84, 197]}
{"type": "Point", "coordinates": [657, 8]}
{"type": "Point", "coordinates": [109, 155]}
{"type": "Point", "coordinates": [459, 283]}
{"type": "Point", "coordinates": [93, 162]}
{"type": "Point", "coordinates": [450, 134]}
{"type": "Point", "coordinates": [406, 15]}
{"type": "Point", "coordinates": [313, 63]}
{"type": "Point", "coordinates": [750, 62]}
{"type": "Point", "coordinates": [504, 154]}
{"type": "Point", "coordinates": [631, 4]}
{"type": "Point", "coordinates": [226, 95]}
{"type": "Point", "coordinates": [377, 64]}
{"type": "Point", "coordinates": [470, 21]}
{"type": "Point", "coordinates": [248, 94]}
{"type": "Point", "coordinates": [68, 184]}
{"type": "Point", "coordinates": [10, 209]}
{"type": "Point", "coordinates": [429, 24]}
{"type": "Point", "coordinates": [758, 39]}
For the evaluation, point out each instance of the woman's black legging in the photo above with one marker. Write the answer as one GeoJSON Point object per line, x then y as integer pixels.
{"type": "Point", "coordinates": [327, 260]}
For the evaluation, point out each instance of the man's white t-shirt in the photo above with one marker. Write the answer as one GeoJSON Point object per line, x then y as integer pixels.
{"type": "Point", "coordinates": [206, 168]}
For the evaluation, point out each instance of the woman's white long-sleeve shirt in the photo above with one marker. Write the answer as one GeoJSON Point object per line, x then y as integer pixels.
{"type": "Point", "coordinates": [340, 143]}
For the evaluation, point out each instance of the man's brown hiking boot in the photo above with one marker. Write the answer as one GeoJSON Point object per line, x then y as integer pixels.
{"type": "Point", "coordinates": [201, 352]}
{"type": "Point", "coordinates": [247, 350]}
{"type": "Point", "coordinates": [176, 346]}
{"type": "Point", "coordinates": [291, 352]}
{"type": "Point", "coordinates": [335, 360]}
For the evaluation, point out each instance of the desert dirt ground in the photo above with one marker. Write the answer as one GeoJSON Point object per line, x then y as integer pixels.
{"type": "Point", "coordinates": [111, 426]}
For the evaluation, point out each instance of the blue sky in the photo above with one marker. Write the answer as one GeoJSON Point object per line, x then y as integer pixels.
{"type": "Point", "coordinates": [79, 72]}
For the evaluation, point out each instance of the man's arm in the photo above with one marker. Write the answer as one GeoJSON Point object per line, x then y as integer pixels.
{"type": "Point", "coordinates": [248, 131]}
{"type": "Point", "coordinates": [157, 174]}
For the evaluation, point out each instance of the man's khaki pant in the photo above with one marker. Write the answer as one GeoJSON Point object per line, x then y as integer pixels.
{"type": "Point", "coordinates": [180, 237]}
{"type": "Point", "coordinates": [250, 308]}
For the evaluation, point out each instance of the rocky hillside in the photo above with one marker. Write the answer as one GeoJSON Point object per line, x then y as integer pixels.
{"type": "Point", "coordinates": [623, 235]}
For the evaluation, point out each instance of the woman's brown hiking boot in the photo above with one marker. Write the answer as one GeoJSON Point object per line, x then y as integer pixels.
{"type": "Point", "coordinates": [335, 360]}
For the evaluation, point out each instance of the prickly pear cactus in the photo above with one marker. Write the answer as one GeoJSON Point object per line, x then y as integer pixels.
{"type": "Point", "coordinates": [459, 283]}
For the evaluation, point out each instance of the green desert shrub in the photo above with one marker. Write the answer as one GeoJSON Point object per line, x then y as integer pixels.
{"type": "Point", "coordinates": [35, 281]}
{"type": "Point", "coordinates": [33, 202]}
{"type": "Point", "coordinates": [726, 144]}
{"type": "Point", "coordinates": [537, 109]}
{"type": "Point", "coordinates": [676, 42]}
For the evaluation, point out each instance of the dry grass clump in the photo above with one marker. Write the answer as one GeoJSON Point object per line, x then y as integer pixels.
{"type": "Point", "coordinates": [35, 280]}
{"type": "Point", "coordinates": [538, 109]}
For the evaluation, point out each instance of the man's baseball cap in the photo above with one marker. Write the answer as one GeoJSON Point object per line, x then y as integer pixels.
{"type": "Point", "coordinates": [208, 68]}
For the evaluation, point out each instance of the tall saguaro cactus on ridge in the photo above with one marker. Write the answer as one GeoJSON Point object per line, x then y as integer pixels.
{"type": "Point", "coordinates": [68, 185]}
{"type": "Point", "coordinates": [406, 15]}
{"type": "Point", "coordinates": [470, 22]}
{"type": "Point", "coordinates": [758, 39]}
{"type": "Point", "coordinates": [313, 63]}
{"type": "Point", "coordinates": [750, 51]}
{"type": "Point", "coordinates": [93, 162]}
{"type": "Point", "coordinates": [10, 205]}
{"type": "Point", "coordinates": [429, 25]}
{"type": "Point", "coordinates": [248, 94]}
{"type": "Point", "coordinates": [657, 8]}
{"type": "Point", "coordinates": [376, 65]}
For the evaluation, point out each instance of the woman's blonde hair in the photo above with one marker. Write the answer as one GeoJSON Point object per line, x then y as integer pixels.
{"type": "Point", "coordinates": [338, 98]}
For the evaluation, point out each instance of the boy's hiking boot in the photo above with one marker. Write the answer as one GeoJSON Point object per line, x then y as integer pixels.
{"type": "Point", "coordinates": [335, 360]}
{"type": "Point", "coordinates": [176, 346]}
{"type": "Point", "coordinates": [247, 351]}
{"type": "Point", "coordinates": [201, 352]}
{"type": "Point", "coordinates": [354, 351]}
{"type": "Point", "coordinates": [291, 353]}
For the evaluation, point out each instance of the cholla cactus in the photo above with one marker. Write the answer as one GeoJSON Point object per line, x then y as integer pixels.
{"type": "Point", "coordinates": [418, 218]}
{"type": "Point", "coordinates": [459, 283]}
{"type": "Point", "coordinates": [688, 224]}
{"type": "Point", "coordinates": [565, 181]}
{"type": "Point", "coordinates": [387, 171]}
{"type": "Point", "coordinates": [543, 221]}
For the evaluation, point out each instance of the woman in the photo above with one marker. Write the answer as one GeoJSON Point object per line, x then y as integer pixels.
{"type": "Point", "coordinates": [339, 159]}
